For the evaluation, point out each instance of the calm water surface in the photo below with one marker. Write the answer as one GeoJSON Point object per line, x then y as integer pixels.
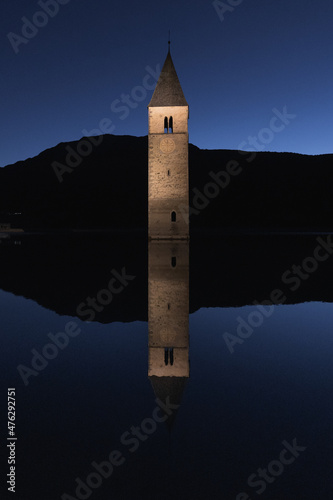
{"type": "Point", "coordinates": [186, 400]}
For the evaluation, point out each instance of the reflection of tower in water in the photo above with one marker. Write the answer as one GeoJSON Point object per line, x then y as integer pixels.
{"type": "Point", "coordinates": [168, 318]}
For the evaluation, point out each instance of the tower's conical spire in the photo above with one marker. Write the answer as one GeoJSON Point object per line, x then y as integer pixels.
{"type": "Point", "coordinates": [168, 91]}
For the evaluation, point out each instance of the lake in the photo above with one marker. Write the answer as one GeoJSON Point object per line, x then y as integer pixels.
{"type": "Point", "coordinates": [168, 370]}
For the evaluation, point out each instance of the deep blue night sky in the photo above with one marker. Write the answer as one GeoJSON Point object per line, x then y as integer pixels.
{"type": "Point", "coordinates": [264, 55]}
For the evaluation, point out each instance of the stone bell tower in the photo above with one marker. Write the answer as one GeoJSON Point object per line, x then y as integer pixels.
{"type": "Point", "coordinates": [168, 185]}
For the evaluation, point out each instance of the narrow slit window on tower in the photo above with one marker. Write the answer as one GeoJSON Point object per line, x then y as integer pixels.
{"type": "Point", "coordinates": [166, 356]}
{"type": "Point", "coordinates": [169, 307]}
{"type": "Point", "coordinates": [173, 216]}
{"type": "Point", "coordinates": [171, 124]}
{"type": "Point", "coordinates": [173, 261]}
{"type": "Point", "coordinates": [168, 173]}
{"type": "Point", "coordinates": [166, 125]}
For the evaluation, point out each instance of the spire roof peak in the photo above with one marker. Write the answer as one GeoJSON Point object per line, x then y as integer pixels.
{"type": "Point", "coordinates": [168, 91]}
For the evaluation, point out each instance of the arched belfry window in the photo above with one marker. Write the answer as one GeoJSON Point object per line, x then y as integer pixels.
{"type": "Point", "coordinates": [173, 216]}
{"type": "Point", "coordinates": [166, 125]}
{"type": "Point", "coordinates": [168, 355]}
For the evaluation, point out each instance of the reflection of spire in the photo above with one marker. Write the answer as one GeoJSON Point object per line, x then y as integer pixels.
{"type": "Point", "coordinates": [172, 388]}
{"type": "Point", "coordinates": [168, 309]}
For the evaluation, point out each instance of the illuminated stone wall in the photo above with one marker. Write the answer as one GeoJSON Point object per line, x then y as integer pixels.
{"type": "Point", "coordinates": [168, 307]}
{"type": "Point", "coordinates": [168, 184]}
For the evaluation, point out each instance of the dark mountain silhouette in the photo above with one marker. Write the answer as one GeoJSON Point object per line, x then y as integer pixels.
{"type": "Point", "coordinates": [108, 188]}
{"type": "Point", "coordinates": [61, 271]}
